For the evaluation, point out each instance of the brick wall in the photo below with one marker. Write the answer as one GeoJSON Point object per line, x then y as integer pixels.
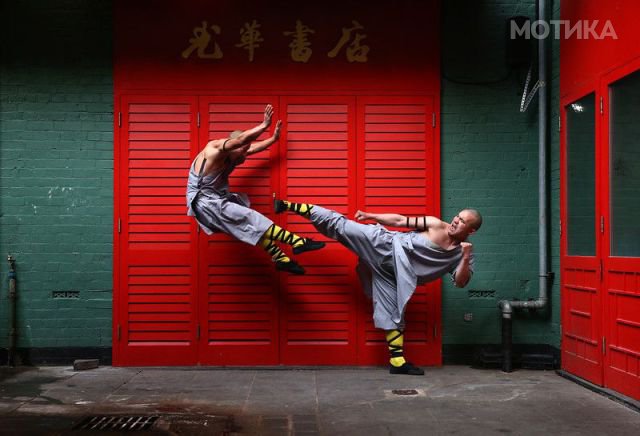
{"type": "Point", "coordinates": [56, 163]}
{"type": "Point", "coordinates": [490, 162]}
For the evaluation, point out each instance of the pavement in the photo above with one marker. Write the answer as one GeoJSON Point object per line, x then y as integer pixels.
{"type": "Point", "coordinates": [303, 401]}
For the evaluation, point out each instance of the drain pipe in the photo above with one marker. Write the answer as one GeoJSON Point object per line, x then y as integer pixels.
{"type": "Point", "coordinates": [507, 307]}
{"type": "Point", "coordinates": [12, 312]}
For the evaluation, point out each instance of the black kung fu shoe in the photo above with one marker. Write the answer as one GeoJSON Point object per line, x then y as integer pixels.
{"type": "Point", "coordinates": [279, 206]}
{"type": "Point", "coordinates": [406, 368]}
{"type": "Point", "coordinates": [291, 267]}
{"type": "Point", "coordinates": [308, 245]}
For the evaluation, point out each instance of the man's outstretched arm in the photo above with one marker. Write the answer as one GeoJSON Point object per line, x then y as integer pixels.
{"type": "Point", "coordinates": [263, 145]}
{"type": "Point", "coordinates": [248, 135]}
{"type": "Point", "coordinates": [397, 220]}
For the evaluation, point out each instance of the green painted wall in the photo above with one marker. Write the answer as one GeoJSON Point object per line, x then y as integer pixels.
{"type": "Point", "coordinates": [490, 162]}
{"type": "Point", "coordinates": [56, 163]}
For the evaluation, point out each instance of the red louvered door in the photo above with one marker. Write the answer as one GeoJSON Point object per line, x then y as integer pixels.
{"type": "Point", "coordinates": [398, 172]}
{"type": "Point", "coordinates": [156, 302]}
{"type": "Point", "coordinates": [319, 313]}
{"type": "Point", "coordinates": [238, 285]}
{"type": "Point", "coordinates": [188, 298]}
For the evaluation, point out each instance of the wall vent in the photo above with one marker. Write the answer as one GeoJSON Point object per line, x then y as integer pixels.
{"type": "Point", "coordinates": [65, 295]}
{"type": "Point", "coordinates": [482, 293]}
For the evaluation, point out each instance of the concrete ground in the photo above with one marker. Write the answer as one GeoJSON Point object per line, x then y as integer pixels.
{"type": "Point", "coordinates": [313, 401]}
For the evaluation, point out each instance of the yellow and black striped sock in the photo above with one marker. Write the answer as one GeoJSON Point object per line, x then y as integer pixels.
{"type": "Point", "coordinates": [277, 233]}
{"type": "Point", "coordinates": [303, 209]}
{"type": "Point", "coordinates": [276, 252]}
{"type": "Point", "coordinates": [395, 341]}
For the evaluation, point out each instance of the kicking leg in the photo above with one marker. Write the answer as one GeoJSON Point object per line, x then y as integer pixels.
{"type": "Point", "coordinates": [369, 242]}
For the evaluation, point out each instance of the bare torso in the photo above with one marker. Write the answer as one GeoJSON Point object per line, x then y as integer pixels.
{"type": "Point", "coordinates": [439, 235]}
{"type": "Point", "coordinates": [216, 158]}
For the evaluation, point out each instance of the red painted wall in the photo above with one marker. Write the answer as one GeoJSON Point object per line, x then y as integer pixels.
{"type": "Point", "coordinates": [582, 61]}
{"type": "Point", "coordinates": [403, 41]}
{"type": "Point", "coordinates": [356, 135]}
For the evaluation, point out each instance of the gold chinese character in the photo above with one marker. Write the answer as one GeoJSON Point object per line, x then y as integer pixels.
{"type": "Point", "coordinates": [355, 52]}
{"type": "Point", "coordinates": [300, 46]}
{"type": "Point", "coordinates": [201, 41]}
{"type": "Point", "coordinates": [250, 37]}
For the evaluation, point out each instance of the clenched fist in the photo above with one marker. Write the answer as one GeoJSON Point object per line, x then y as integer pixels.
{"type": "Point", "coordinates": [361, 216]}
{"type": "Point", "coordinates": [467, 248]}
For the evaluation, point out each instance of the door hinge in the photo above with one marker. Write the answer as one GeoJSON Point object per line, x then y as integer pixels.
{"type": "Point", "coordinates": [198, 331]}
{"type": "Point", "coordinates": [433, 120]}
{"type": "Point", "coordinates": [561, 228]}
{"type": "Point", "coordinates": [601, 268]}
{"type": "Point", "coordinates": [119, 119]}
{"type": "Point", "coordinates": [198, 118]}
{"type": "Point", "coordinates": [118, 330]}
{"type": "Point", "coordinates": [604, 346]}
{"type": "Point", "coordinates": [119, 225]}
{"type": "Point", "coordinates": [601, 105]}
{"type": "Point", "coordinates": [601, 223]}
{"type": "Point", "coordinates": [559, 123]}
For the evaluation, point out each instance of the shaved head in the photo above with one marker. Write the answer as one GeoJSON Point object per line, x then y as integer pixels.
{"type": "Point", "coordinates": [477, 218]}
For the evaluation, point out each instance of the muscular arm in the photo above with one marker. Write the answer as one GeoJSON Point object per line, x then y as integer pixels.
{"type": "Point", "coordinates": [246, 136]}
{"type": "Point", "coordinates": [263, 145]}
{"type": "Point", "coordinates": [397, 220]}
{"type": "Point", "coordinates": [462, 274]}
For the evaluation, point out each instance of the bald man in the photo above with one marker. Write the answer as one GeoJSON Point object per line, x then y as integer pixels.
{"type": "Point", "coordinates": [391, 263]}
{"type": "Point", "coordinates": [217, 209]}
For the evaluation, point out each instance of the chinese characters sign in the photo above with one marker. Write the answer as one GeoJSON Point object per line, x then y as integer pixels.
{"type": "Point", "coordinates": [349, 42]}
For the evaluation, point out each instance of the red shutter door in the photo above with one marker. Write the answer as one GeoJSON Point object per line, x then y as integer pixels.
{"type": "Point", "coordinates": [398, 173]}
{"type": "Point", "coordinates": [156, 298]}
{"type": "Point", "coordinates": [238, 283]}
{"type": "Point", "coordinates": [319, 314]}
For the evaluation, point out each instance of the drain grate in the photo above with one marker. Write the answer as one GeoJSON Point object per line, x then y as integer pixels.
{"type": "Point", "coordinates": [116, 423]}
{"type": "Point", "coordinates": [404, 392]}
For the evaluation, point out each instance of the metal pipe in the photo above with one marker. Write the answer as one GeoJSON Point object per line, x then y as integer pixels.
{"type": "Point", "coordinates": [507, 306]}
{"type": "Point", "coordinates": [13, 335]}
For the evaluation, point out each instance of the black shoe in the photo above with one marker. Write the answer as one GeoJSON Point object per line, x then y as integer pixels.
{"type": "Point", "coordinates": [279, 206]}
{"type": "Point", "coordinates": [309, 245]}
{"type": "Point", "coordinates": [407, 369]}
{"type": "Point", "coordinates": [291, 266]}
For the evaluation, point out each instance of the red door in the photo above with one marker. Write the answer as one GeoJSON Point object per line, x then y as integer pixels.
{"type": "Point", "coordinates": [155, 302]}
{"type": "Point", "coordinates": [186, 298]}
{"type": "Point", "coordinates": [238, 286]}
{"type": "Point", "coordinates": [600, 233]}
{"type": "Point", "coordinates": [399, 172]}
{"type": "Point", "coordinates": [621, 228]}
{"type": "Point", "coordinates": [581, 264]}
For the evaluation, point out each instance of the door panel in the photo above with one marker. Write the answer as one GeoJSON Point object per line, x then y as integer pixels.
{"type": "Point", "coordinates": [157, 316]}
{"type": "Point", "coordinates": [396, 164]}
{"type": "Point", "coordinates": [581, 266]}
{"type": "Point", "coordinates": [238, 286]}
{"type": "Point", "coordinates": [319, 311]}
{"type": "Point", "coordinates": [622, 236]}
